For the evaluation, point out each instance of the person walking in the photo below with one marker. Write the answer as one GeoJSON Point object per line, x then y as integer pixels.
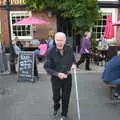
{"type": "Point", "coordinates": [3, 62]}
{"type": "Point", "coordinates": [60, 60]}
{"type": "Point", "coordinates": [85, 51]}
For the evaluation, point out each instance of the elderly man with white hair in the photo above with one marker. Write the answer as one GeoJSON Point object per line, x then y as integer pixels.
{"type": "Point", "coordinates": [60, 60]}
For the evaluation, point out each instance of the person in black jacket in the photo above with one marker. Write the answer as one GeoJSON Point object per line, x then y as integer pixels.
{"type": "Point", "coordinates": [58, 64]}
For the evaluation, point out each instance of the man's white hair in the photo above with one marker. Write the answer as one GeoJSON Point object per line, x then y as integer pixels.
{"type": "Point", "coordinates": [61, 34]}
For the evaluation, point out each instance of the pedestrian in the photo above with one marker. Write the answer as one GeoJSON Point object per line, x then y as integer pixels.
{"type": "Point", "coordinates": [85, 51]}
{"type": "Point", "coordinates": [18, 43]}
{"type": "Point", "coordinates": [60, 60]}
{"type": "Point", "coordinates": [3, 62]}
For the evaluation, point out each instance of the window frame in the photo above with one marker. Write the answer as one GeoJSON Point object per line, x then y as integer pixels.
{"type": "Point", "coordinates": [114, 13]}
{"type": "Point", "coordinates": [24, 38]}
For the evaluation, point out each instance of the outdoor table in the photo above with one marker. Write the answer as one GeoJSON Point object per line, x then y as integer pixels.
{"type": "Point", "coordinates": [103, 52]}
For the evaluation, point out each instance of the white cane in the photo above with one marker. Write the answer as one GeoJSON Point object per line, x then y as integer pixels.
{"type": "Point", "coordinates": [76, 90]}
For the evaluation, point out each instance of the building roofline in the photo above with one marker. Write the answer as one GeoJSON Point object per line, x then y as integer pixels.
{"type": "Point", "coordinates": [109, 4]}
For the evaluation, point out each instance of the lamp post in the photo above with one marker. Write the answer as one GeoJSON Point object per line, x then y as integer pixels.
{"type": "Point", "coordinates": [12, 53]}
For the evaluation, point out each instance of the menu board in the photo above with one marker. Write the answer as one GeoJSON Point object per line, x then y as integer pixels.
{"type": "Point", "coordinates": [26, 66]}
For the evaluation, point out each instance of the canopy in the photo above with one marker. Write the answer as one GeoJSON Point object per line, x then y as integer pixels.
{"type": "Point", "coordinates": [31, 20]}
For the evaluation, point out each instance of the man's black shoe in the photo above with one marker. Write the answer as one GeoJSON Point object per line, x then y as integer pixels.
{"type": "Point", "coordinates": [64, 118]}
{"type": "Point", "coordinates": [55, 112]}
{"type": "Point", "coordinates": [88, 69]}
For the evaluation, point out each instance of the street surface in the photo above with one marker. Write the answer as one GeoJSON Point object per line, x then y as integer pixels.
{"type": "Point", "coordinates": [33, 101]}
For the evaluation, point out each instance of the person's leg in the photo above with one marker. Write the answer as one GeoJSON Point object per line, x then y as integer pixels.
{"type": "Point", "coordinates": [66, 90]}
{"type": "Point", "coordinates": [35, 68]}
{"type": "Point", "coordinates": [82, 59]}
{"type": "Point", "coordinates": [56, 85]}
{"type": "Point", "coordinates": [87, 64]}
{"type": "Point", "coordinates": [96, 59]}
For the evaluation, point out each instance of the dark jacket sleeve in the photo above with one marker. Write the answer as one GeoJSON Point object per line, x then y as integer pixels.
{"type": "Point", "coordinates": [74, 60]}
{"type": "Point", "coordinates": [49, 66]}
{"type": "Point", "coordinates": [73, 57]}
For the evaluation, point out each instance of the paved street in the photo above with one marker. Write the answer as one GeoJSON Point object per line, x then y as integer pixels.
{"type": "Point", "coordinates": [28, 101]}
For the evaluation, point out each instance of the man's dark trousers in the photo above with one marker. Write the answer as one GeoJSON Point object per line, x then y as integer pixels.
{"type": "Point", "coordinates": [61, 89]}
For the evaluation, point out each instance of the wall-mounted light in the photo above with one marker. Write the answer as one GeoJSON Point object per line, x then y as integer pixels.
{"type": "Point", "coordinates": [49, 14]}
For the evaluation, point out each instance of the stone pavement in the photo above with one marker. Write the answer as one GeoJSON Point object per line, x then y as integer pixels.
{"type": "Point", "coordinates": [28, 101]}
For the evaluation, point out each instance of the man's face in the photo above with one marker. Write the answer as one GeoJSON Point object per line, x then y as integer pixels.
{"type": "Point", "coordinates": [60, 41]}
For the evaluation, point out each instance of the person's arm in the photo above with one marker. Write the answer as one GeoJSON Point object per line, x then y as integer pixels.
{"type": "Point", "coordinates": [49, 66]}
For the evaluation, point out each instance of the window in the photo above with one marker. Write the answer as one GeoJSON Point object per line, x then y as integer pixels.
{"type": "Point", "coordinates": [21, 31]}
{"type": "Point", "coordinates": [98, 28]}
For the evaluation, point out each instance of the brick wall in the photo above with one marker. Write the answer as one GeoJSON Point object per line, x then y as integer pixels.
{"type": "Point", "coordinates": [41, 30]}
{"type": "Point", "coordinates": [4, 27]}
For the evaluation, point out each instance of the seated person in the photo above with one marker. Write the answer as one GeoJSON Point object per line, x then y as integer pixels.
{"type": "Point", "coordinates": [42, 49]}
{"type": "Point", "coordinates": [35, 42]}
{"type": "Point", "coordinates": [102, 44]}
{"type": "Point", "coordinates": [98, 57]}
{"type": "Point", "coordinates": [111, 74]}
{"type": "Point", "coordinates": [103, 47]}
{"type": "Point", "coordinates": [51, 42]}
{"type": "Point", "coordinates": [16, 48]}
{"type": "Point", "coordinates": [18, 43]}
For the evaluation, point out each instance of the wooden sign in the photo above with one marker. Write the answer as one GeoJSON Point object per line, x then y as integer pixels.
{"type": "Point", "coordinates": [26, 66]}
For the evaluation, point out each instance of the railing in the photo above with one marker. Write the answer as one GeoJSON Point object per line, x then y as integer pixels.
{"type": "Point", "coordinates": [13, 2]}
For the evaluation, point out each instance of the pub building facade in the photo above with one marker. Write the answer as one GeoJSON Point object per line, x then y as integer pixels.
{"type": "Point", "coordinates": [24, 33]}
{"type": "Point", "coordinates": [29, 32]}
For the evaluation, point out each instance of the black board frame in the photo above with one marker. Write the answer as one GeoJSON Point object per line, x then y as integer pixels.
{"type": "Point", "coordinates": [31, 53]}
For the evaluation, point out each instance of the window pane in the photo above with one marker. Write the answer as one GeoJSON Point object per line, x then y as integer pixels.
{"type": "Point", "coordinates": [18, 18]}
{"type": "Point", "coordinates": [23, 27]}
{"type": "Point", "coordinates": [104, 22]}
{"type": "Point", "coordinates": [99, 22]}
{"type": "Point", "coordinates": [23, 33]}
{"type": "Point", "coordinates": [98, 35]}
{"type": "Point", "coordinates": [19, 33]}
{"type": "Point", "coordinates": [103, 29]}
{"type": "Point", "coordinates": [14, 28]}
{"type": "Point", "coordinates": [13, 20]}
{"type": "Point", "coordinates": [17, 27]}
{"type": "Point", "coordinates": [15, 33]}
{"type": "Point", "coordinates": [104, 16]}
{"type": "Point", "coordinates": [98, 29]}
{"type": "Point", "coordinates": [28, 33]}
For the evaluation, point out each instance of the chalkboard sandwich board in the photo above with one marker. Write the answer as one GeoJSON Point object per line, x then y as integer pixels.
{"type": "Point", "coordinates": [26, 66]}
